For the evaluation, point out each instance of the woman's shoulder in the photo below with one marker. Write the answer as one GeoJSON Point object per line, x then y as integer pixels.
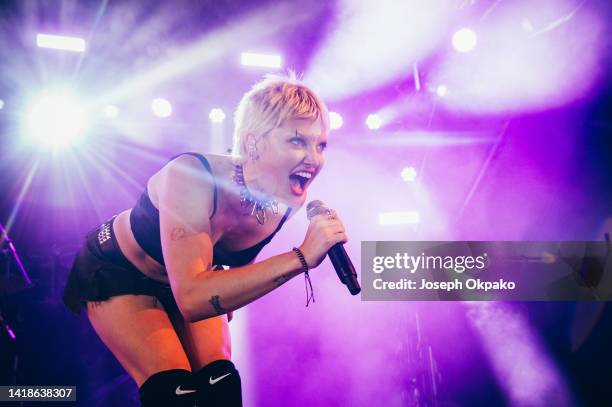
{"type": "Point", "coordinates": [216, 163]}
{"type": "Point", "coordinates": [192, 169]}
{"type": "Point", "coordinates": [209, 165]}
{"type": "Point", "coordinates": [220, 164]}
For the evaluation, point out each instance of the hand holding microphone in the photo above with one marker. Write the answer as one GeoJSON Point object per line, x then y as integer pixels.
{"type": "Point", "coordinates": [326, 235]}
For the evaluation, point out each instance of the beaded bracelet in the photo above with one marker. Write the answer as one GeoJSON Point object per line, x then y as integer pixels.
{"type": "Point", "coordinates": [307, 281]}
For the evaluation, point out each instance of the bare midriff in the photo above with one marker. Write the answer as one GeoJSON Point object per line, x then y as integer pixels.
{"type": "Point", "coordinates": [132, 250]}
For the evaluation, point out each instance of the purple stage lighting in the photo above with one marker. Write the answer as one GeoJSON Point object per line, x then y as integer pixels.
{"type": "Point", "coordinates": [526, 25]}
{"type": "Point", "coordinates": [399, 218]}
{"type": "Point", "coordinates": [408, 174]}
{"type": "Point", "coordinates": [391, 36]}
{"type": "Point", "coordinates": [161, 107]}
{"type": "Point", "coordinates": [464, 40]}
{"type": "Point", "coordinates": [56, 119]}
{"type": "Point", "coordinates": [335, 120]}
{"type": "Point", "coordinates": [441, 90]}
{"type": "Point", "coordinates": [525, 64]}
{"type": "Point", "coordinates": [1, 104]}
{"type": "Point", "coordinates": [262, 60]}
{"type": "Point", "coordinates": [524, 370]}
{"type": "Point", "coordinates": [217, 115]}
{"type": "Point", "coordinates": [60, 42]}
{"type": "Point", "coordinates": [373, 122]}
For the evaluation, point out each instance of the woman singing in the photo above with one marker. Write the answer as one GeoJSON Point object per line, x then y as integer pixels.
{"type": "Point", "coordinates": [151, 278]}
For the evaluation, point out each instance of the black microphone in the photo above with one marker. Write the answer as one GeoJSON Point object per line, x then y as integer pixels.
{"type": "Point", "coordinates": [341, 261]}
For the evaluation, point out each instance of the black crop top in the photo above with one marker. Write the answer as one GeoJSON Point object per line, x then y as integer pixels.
{"type": "Point", "coordinates": [144, 221]}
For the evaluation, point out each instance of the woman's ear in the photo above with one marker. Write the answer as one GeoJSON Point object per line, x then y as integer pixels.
{"type": "Point", "coordinates": [252, 146]}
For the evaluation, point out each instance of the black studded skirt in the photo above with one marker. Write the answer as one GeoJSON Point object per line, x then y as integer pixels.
{"type": "Point", "coordinates": [101, 271]}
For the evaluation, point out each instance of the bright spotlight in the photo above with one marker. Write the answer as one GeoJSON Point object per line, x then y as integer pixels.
{"type": "Point", "coordinates": [55, 119]}
{"type": "Point", "coordinates": [399, 218]}
{"type": "Point", "coordinates": [464, 40]}
{"type": "Point", "coordinates": [263, 60]}
{"type": "Point", "coordinates": [161, 107]}
{"type": "Point", "coordinates": [60, 42]}
{"type": "Point", "coordinates": [111, 111]}
{"type": "Point", "coordinates": [335, 120]}
{"type": "Point", "coordinates": [1, 104]}
{"type": "Point", "coordinates": [441, 90]}
{"type": "Point", "coordinates": [373, 121]}
{"type": "Point", "coordinates": [217, 115]}
{"type": "Point", "coordinates": [408, 174]}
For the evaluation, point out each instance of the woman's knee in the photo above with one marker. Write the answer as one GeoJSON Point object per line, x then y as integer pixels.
{"type": "Point", "coordinates": [218, 384]}
{"type": "Point", "coordinates": [206, 341]}
{"type": "Point", "coordinates": [168, 388]}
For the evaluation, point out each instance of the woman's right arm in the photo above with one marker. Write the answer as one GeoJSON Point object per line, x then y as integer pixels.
{"type": "Point", "coordinates": [185, 200]}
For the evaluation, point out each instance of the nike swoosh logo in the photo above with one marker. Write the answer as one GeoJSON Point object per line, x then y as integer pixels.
{"type": "Point", "coordinates": [180, 392]}
{"type": "Point", "coordinates": [213, 381]}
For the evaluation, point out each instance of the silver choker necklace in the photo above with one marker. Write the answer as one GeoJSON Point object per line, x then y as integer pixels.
{"type": "Point", "coordinates": [252, 205]}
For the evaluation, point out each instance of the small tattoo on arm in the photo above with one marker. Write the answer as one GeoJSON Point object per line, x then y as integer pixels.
{"type": "Point", "coordinates": [214, 300]}
{"type": "Point", "coordinates": [177, 234]}
{"type": "Point", "coordinates": [281, 280]}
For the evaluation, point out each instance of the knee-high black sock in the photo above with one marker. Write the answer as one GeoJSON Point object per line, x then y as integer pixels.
{"type": "Point", "coordinates": [218, 384]}
{"type": "Point", "coordinates": [168, 388]}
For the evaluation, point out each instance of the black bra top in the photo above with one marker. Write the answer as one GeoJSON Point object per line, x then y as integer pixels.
{"type": "Point", "coordinates": [144, 221]}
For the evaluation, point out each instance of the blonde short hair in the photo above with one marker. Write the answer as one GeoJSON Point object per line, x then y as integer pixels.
{"type": "Point", "coordinates": [273, 101]}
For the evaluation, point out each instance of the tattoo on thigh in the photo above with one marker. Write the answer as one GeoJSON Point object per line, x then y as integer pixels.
{"type": "Point", "coordinates": [281, 280]}
{"type": "Point", "coordinates": [214, 300]}
{"type": "Point", "coordinates": [177, 234]}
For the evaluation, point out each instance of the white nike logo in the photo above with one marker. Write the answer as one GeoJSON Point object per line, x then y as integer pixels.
{"type": "Point", "coordinates": [213, 381]}
{"type": "Point", "coordinates": [181, 392]}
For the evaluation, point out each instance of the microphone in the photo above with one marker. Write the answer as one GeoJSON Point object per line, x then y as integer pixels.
{"type": "Point", "coordinates": [338, 256]}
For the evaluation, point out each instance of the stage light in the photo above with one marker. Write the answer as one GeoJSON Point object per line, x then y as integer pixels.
{"type": "Point", "coordinates": [519, 66]}
{"type": "Point", "coordinates": [1, 104]}
{"type": "Point", "coordinates": [55, 119]}
{"type": "Point", "coordinates": [464, 40]}
{"type": "Point", "coordinates": [161, 107]}
{"type": "Point", "coordinates": [263, 60]}
{"type": "Point", "coordinates": [408, 174]}
{"type": "Point", "coordinates": [441, 90]}
{"type": "Point", "coordinates": [399, 218]}
{"type": "Point", "coordinates": [60, 42]}
{"type": "Point", "coordinates": [373, 122]}
{"type": "Point", "coordinates": [335, 120]}
{"type": "Point", "coordinates": [217, 115]}
{"type": "Point", "coordinates": [111, 111]}
{"type": "Point", "coordinates": [373, 43]}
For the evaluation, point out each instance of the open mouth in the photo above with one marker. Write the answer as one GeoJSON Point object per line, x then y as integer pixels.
{"type": "Point", "coordinates": [299, 180]}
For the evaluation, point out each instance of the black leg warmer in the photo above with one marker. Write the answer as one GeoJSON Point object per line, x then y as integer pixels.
{"type": "Point", "coordinates": [168, 388]}
{"type": "Point", "coordinates": [218, 384]}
